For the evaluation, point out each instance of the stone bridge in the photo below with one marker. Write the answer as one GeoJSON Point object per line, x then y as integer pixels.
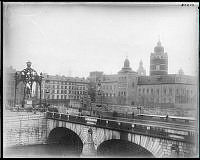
{"type": "Point", "coordinates": [42, 129]}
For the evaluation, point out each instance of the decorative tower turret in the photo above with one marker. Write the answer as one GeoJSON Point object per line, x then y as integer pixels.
{"type": "Point", "coordinates": [180, 71]}
{"type": "Point", "coordinates": [158, 61]}
{"type": "Point", "coordinates": [141, 71]}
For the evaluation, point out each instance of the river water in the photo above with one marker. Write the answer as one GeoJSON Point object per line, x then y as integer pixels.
{"type": "Point", "coordinates": [64, 151]}
{"type": "Point", "coordinates": [41, 150]}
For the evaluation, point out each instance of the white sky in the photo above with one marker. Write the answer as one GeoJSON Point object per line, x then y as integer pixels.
{"type": "Point", "coordinates": [59, 39]}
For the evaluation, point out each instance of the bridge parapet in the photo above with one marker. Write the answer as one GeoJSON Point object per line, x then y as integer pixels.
{"type": "Point", "coordinates": [185, 134]}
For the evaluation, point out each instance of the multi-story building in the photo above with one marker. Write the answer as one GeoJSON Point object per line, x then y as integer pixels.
{"type": "Point", "coordinates": [160, 92]}
{"type": "Point", "coordinates": [61, 90]}
{"type": "Point", "coordinates": [171, 93]}
{"type": "Point", "coordinates": [9, 88]}
{"type": "Point", "coordinates": [119, 88]}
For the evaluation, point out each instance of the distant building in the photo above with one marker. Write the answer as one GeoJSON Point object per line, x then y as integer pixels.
{"type": "Point", "coordinates": [158, 61]}
{"type": "Point", "coordinates": [95, 76]}
{"type": "Point", "coordinates": [160, 92]}
{"type": "Point", "coordinates": [172, 92]}
{"type": "Point", "coordinates": [9, 88]}
{"type": "Point", "coordinates": [61, 90]}
{"type": "Point", "coordinates": [119, 88]}
{"type": "Point", "coordinates": [141, 71]}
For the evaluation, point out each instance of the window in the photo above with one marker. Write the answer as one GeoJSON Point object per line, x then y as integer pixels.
{"type": "Point", "coordinates": [147, 90]}
{"type": "Point", "coordinates": [157, 67]}
{"type": "Point", "coordinates": [133, 84]}
{"type": "Point", "coordinates": [57, 91]}
{"type": "Point", "coordinates": [176, 91]}
{"type": "Point", "coordinates": [165, 91]}
{"type": "Point", "coordinates": [170, 91]}
{"type": "Point", "coordinates": [158, 91]}
{"type": "Point", "coordinates": [61, 96]}
{"type": "Point", "coordinates": [152, 90]}
{"type": "Point", "coordinates": [57, 96]}
{"type": "Point", "coordinates": [143, 90]}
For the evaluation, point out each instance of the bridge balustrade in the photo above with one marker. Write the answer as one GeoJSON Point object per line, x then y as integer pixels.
{"type": "Point", "coordinates": [49, 114]}
{"type": "Point", "coordinates": [64, 117]}
{"type": "Point", "coordinates": [101, 122]}
{"type": "Point", "coordinates": [57, 115]}
{"type": "Point", "coordinates": [113, 124]}
{"type": "Point", "coordinates": [125, 126]}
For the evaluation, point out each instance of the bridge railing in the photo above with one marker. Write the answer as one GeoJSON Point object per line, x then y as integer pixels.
{"type": "Point", "coordinates": [155, 131]}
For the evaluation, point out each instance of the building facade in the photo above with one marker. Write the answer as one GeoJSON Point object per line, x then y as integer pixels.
{"type": "Point", "coordinates": [119, 88]}
{"type": "Point", "coordinates": [61, 90]}
{"type": "Point", "coordinates": [158, 61]}
{"type": "Point", "coordinates": [160, 92]}
{"type": "Point", "coordinates": [172, 92]}
{"type": "Point", "coordinates": [9, 88]}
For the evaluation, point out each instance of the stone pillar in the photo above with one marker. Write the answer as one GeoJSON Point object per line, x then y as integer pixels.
{"type": "Point", "coordinates": [88, 147]}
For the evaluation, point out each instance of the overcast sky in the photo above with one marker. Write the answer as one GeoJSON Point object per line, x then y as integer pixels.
{"type": "Point", "coordinates": [73, 40]}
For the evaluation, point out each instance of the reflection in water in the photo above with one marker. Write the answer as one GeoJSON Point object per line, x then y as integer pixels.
{"type": "Point", "coordinates": [42, 150]}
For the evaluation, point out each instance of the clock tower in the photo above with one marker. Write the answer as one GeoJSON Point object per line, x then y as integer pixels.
{"type": "Point", "coordinates": [158, 61]}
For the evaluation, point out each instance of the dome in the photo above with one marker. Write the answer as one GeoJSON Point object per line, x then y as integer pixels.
{"type": "Point", "coordinates": [159, 48]}
{"type": "Point", "coordinates": [126, 63]}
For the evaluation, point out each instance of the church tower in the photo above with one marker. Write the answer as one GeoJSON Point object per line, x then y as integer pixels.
{"type": "Point", "coordinates": [141, 71]}
{"type": "Point", "coordinates": [158, 61]}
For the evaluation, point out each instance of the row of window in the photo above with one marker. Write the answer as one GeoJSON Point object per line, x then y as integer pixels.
{"type": "Point", "coordinates": [109, 87]}
{"type": "Point", "coordinates": [64, 97]}
{"type": "Point", "coordinates": [114, 95]}
{"type": "Point", "coordinates": [64, 92]}
{"type": "Point", "coordinates": [66, 87]}
{"type": "Point", "coordinates": [143, 100]}
{"type": "Point", "coordinates": [178, 91]}
{"type": "Point", "coordinates": [61, 82]}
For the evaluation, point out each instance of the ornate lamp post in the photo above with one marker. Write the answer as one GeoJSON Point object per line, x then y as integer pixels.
{"type": "Point", "coordinates": [28, 76]}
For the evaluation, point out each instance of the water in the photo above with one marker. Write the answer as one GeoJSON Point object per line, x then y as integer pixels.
{"type": "Point", "coordinates": [111, 148]}
{"type": "Point", "coordinates": [41, 150]}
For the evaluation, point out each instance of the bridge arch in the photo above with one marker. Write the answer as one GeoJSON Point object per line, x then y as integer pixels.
{"type": "Point", "coordinates": [150, 144]}
{"type": "Point", "coordinates": [65, 137]}
{"type": "Point", "coordinates": [122, 148]}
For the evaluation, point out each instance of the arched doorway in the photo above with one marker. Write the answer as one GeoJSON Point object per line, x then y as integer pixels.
{"type": "Point", "coordinates": [122, 148]}
{"type": "Point", "coordinates": [64, 141]}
